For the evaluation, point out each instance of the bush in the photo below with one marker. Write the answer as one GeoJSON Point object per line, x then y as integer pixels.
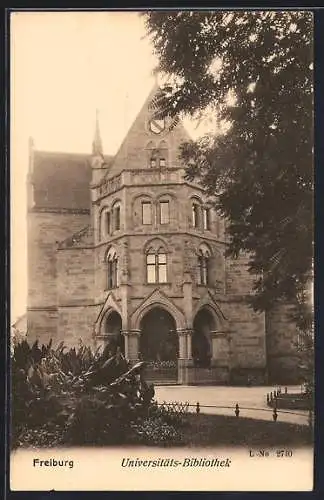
{"type": "Point", "coordinates": [156, 431]}
{"type": "Point", "coordinates": [90, 397]}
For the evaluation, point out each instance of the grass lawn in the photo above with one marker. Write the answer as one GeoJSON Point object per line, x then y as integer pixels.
{"type": "Point", "coordinates": [202, 431]}
{"type": "Point", "coordinates": [220, 430]}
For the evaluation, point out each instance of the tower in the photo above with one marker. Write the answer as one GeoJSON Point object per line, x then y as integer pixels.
{"type": "Point", "coordinates": [127, 247]}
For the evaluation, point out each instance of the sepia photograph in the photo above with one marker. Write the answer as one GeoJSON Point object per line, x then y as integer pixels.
{"type": "Point", "coordinates": [162, 309]}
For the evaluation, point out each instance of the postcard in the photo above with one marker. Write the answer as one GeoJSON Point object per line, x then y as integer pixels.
{"type": "Point", "coordinates": [162, 237]}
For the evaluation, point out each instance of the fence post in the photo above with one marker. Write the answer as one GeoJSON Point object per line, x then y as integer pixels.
{"type": "Point", "coordinates": [310, 420]}
{"type": "Point", "coordinates": [271, 398]}
{"type": "Point", "coordinates": [268, 398]}
{"type": "Point", "coordinates": [197, 408]}
{"type": "Point", "coordinates": [237, 410]}
{"type": "Point", "coordinates": [275, 414]}
{"type": "Point", "coordinates": [286, 390]}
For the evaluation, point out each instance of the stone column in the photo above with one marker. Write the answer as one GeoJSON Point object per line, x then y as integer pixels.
{"type": "Point", "coordinates": [131, 344]}
{"type": "Point", "coordinates": [189, 344]}
{"type": "Point", "coordinates": [182, 334]}
{"type": "Point", "coordinates": [185, 362]}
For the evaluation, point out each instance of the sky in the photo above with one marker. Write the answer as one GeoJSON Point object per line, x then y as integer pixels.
{"type": "Point", "coordinates": [64, 65]}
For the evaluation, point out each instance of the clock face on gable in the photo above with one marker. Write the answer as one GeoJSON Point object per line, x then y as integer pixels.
{"type": "Point", "coordinates": [156, 126]}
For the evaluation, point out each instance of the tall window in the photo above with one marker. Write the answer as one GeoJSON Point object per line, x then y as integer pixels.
{"type": "Point", "coordinates": [112, 270]}
{"type": "Point", "coordinates": [156, 267]}
{"type": "Point", "coordinates": [105, 227]}
{"type": "Point", "coordinates": [162, 162]}
{"type": "Point", "coordinates": [164, 212]}
{"type": "Point", "coordinates": [117, 217]}
{"type": "Point", "coordinates": [153, 162]}
{"type": "Point", "coordinates": [107, 223]}
{"type": "Point", "coordinates": [206, 213]}
{"type": "Point", "coordinates": [204, 267]}
{"type": "Point", "coordinates": [195, 215]}
{"type": "Point", "coordinates": [146, 212]}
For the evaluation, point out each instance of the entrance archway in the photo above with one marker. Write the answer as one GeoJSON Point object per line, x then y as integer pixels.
{"type": "Point", "coordinates": [159, 340]}
{"type": "Point", "coordinates": [203, 324]}
{"type": "Point", "coordinates": [159, 345]}
{"type": "Point", "coordinates": [112, 330]}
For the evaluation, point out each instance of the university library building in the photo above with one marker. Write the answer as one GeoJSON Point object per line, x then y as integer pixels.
{"type": "Point", "coordinates": [123, 249]}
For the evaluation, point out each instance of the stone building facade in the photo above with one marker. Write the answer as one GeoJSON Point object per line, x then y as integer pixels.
{"type": "Point", "coordinates": [126, 248]}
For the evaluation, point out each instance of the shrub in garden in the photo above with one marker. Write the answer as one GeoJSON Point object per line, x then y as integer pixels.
{"type": "Point", "coordinates": [77, 397]}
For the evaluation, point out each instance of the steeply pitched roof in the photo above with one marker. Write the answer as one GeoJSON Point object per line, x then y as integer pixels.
{"type": "Point", "coordinates": [61, 180]}
{"type": "Point", "coordinates": [133, 153]}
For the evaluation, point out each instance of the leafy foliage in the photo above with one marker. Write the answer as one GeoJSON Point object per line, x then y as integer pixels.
{"type": "Point", "coordinates": [75, 396]}
{"type": "Point", "coordinates": [252, 72]}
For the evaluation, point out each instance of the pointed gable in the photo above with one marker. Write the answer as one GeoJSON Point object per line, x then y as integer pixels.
{"type": "Point", "coordinates": [145, 136]}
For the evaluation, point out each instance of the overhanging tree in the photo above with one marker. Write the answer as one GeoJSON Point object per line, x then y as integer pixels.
{"type": "Point", "coordinates": [253, 71]}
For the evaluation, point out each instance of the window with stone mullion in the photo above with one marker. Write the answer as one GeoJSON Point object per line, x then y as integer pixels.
{"type": "Point", "coordinates": [151, 268]}
{"type": "Point", "coordinates": [161, 268]}
{"type": "Point", "coordinates": [156, 268]}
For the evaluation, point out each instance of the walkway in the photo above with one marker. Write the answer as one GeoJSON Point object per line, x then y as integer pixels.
{"type": "Point", "coordinates": [249, 397]}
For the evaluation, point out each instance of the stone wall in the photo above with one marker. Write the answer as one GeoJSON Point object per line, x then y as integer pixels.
{"type": "Point", "coordinates": [42, 325]}
{"type": "Point", "coordinates": [248, 343]}
{"type": "Point", "coordinates": [281, 337]}
{"type": "Point", "coordinates": [45, 229]}
{"type": "Point", "coordinates": [75, 276]}
{"type": "Point", "coordinates": [77, 322]}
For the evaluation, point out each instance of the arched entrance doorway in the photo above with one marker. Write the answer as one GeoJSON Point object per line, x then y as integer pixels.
{"type": "Point", "coordinates": [159, 345]}
{"type": "Point", "coordinates": [112, 331]}
{"type": "Point", "coordinates": [203, 324]}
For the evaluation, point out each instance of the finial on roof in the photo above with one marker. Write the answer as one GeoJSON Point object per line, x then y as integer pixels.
{"type": "Point", "coordinates": [97, 143]}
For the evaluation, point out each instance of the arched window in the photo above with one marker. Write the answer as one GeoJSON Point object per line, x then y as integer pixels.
{"type": "Point", "coordinates": [153, 160]}
{"type": "Point", "coordinates": [116, 216]}
{"type": "Point", "coordinates": [204, 264]}
{"type": "Point", "coordinates": [195, 215]}
{"type": "Point", "coordinates": [112, 269]}
{"type": "Point", "coordinates": [158, 158]}
{"type": "Point", "coordinates": [156, 266]}
{"type": "Point", "coordinates": [206, 218]}
{"type": "Point", "coordinates": [105, 223]}
{"type": "Point", "coordinates": [163, 154]}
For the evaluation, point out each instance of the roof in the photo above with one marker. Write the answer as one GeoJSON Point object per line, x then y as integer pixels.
{"type": "Point", "coordinates": [132, 153]}
{"type": "Point", "coordinates": [62, 180]}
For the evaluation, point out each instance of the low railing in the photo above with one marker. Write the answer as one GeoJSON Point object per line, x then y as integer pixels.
{"type": "Point", "coordinates": [184, 408]}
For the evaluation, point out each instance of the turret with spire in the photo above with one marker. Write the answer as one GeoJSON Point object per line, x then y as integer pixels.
{"type": "Point", "coordinates": [97, 157]}
{"type": "Point", "coordinates": [97, 142]}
